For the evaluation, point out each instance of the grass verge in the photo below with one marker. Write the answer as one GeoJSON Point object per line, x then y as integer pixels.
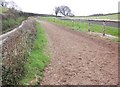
{"type": "Point", "coordinates": [37, 59]}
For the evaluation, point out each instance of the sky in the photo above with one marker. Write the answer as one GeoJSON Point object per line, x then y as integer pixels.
{"type": "Point", "coordinates": [78, 7]}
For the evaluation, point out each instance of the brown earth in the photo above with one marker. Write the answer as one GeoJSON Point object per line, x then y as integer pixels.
{"type": "Point", "coordinates": [79, 58]}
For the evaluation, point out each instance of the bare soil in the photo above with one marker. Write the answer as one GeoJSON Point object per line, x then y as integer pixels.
{"type": "Point", "coordinates": [79, 58]}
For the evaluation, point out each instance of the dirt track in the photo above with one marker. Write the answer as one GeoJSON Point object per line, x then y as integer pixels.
{"type": "Point", "coordinates": [79, 59]}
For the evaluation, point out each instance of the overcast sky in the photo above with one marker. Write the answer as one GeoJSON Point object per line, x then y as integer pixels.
{"type": "Point", "coordinates": [78, 7]}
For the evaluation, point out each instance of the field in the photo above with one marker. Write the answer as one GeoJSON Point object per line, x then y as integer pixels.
{"type": "Point", "coordinates": [110, 17]}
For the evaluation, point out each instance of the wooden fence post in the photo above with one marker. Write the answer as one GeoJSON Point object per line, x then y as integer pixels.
{"type": "Point", "coordinates": [104, 28]}
{"type": "Point", "coordinates": [67, 22]}
{"type": "Point", "coordinates": [64, 23]}
{"type": "Point", "coordinates": [88, 26]}
{"type": "Point", "coordinates": [54, 19]}
{"type": "Point", "coordinates": [72, 23]}
{"type": "Point", "coordinates": [79, 23]}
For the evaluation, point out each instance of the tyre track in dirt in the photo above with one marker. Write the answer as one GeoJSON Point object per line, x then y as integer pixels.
{"type": "Point", "coordinates": [79, 59]}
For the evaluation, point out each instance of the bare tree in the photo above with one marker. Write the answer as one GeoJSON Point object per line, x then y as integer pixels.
{"type": "Point", "coordinates": [3, 3]}
{"type": "Point", "coordinates": [64, 10]}
{"type": "Point", "coordinates": [13, 5]}
{"type": "Point", "coordinates": [57, 10]}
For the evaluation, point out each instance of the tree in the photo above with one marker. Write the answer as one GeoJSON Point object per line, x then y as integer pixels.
{"type": "Point", "coordinates": [12, 5]}
{"type": "Point", "coordinates": [3, 3]}
{"type": "Point", "coordinates": [57, 10]}
{"type": "Point", "coordinates": [64, 10]}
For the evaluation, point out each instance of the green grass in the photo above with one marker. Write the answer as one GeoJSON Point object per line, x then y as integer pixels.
{"type": "Point", "coordinates": [10, 19]}
{"type": "Point", "coordinates": [38, 59]}
{"type": "Point", "coordinates": [9, 23]}
{"type": "Point", "coordinates": [3, 10]}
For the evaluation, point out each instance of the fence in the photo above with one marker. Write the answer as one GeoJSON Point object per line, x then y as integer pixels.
{"type": "Point", "coordinates": [103, 23]}
{"type": "Point", "coordinates": [16, 46]}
